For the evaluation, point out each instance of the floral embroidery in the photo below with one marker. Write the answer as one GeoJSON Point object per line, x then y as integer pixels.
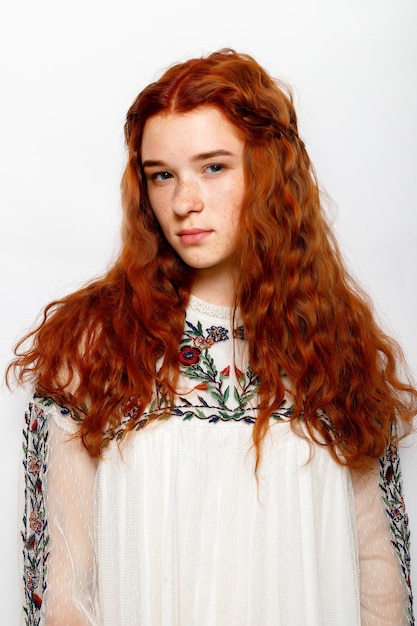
{"type": "Point", "coordinates": [239, 333]}
{"type": "Point", "coordinates": [36, 522]}
{"type": "Point", "coordinates": [218, 397]}
{"type": "Point", "coordinates": [218, 333]}
{"type": "Point", "coordinates": [203, 342]}
{"type": "Point", "coordinates": [239, 374]}
{"type": "Point", "coordinates": [189, 355]}
{"type": "Point", "coordinates": [35, 530]}
{"type": "Point", "coordinates": [213, 414]}
{"type": "Point", "coordinates": [34, 464]}
{"type": "Point", "coordinates": [392, 496]}
{"type": "Point", "coordinates": [225, 373]}
{"type": "Point", "coordinates": [35, 533]}
{"type": "Point", "coordinates": [208, 379]}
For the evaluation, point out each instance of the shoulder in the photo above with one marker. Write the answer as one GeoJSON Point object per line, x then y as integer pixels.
{"type": "Point", "coordinates": [43, 410]}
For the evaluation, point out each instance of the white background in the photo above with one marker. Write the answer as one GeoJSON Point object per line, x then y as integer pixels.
{"type": "Point", "coordinates": [69, 72]}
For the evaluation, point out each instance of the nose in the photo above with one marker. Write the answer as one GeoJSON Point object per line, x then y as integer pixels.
{"type": "Point", "coordinates": [187, 198]}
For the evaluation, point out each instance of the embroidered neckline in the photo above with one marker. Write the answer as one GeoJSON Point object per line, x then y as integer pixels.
{"type": "Point", "coordinates": [201, 307]}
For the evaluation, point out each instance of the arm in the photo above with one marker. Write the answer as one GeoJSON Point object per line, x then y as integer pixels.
{"type": "Point", "coordinates": [383, 579]}
{"type": "Point", "coordinates": [58, 547]}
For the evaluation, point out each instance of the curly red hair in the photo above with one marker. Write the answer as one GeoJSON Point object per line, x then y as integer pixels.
{"type": "Point", "coordinates": [96, 350]}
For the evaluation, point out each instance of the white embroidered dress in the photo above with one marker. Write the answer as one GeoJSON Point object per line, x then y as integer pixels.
{"type": "Point", "coordinates": [171, 527]}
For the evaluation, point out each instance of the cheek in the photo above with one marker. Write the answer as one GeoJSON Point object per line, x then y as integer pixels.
{"type": "Point", "coordinates": [159, 195]}
{"type": "Point", "coordinates": [238, 194]}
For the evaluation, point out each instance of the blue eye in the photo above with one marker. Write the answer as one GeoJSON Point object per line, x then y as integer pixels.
{"type": "Point", "coordinates": [215, 167]}
{"type": "Point", "coordinates": [161, 176]}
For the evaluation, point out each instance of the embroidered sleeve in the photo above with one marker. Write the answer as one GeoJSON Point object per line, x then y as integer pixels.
{"type": "Point", "coordinates": [35, 530]}
{"type": "Point", "coordinates": [383, 545]}
{"type": "Point", "coordinates": [58, 565]}
{"type": "Point", "coordinates": [390, 481]}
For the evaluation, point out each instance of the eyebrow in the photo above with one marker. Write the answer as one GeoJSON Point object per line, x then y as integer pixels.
{"type": "Point", "coordinates": [198, 157]}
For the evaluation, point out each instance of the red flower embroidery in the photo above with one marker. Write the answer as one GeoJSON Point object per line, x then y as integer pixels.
{"type": "Point", "coordinates": [37, 600]}
{"type": "Point", "coordinates": [240, 375]}
{"type": "Point", "coordinates": [189, 355]}
{"type": "Point", "coordinates": [202, 387]}
{"type": "Point", "coordinates": [226, 372]}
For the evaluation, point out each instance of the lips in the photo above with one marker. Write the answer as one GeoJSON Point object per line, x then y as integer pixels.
{"type": "Point", "coordinates": [189, 236]}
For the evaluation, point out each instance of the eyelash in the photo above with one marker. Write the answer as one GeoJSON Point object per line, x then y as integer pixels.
{"type": "Point", "coordinates": [213, 168]}
{"type": "Point", "coordinates": [220, 167]}
{"type": "Point", "coordinates": [157, 176]}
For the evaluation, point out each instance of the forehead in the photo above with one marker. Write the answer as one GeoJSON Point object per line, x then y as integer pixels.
{"type": "Point", "coordinates": [203, 128]}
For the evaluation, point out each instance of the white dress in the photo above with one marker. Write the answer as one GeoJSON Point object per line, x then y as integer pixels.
{"type": "Point", "coordinates": [172, 527]}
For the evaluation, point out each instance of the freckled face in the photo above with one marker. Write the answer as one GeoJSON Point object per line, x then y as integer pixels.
{"type": "Point", "coordinates": [193, 163]}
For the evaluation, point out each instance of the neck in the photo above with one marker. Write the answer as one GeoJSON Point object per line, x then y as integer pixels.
{"type": "Point", "coordinates": [213, 289]}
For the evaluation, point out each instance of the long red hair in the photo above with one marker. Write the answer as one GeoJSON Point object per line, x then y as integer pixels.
{"type": "Point", "coordinates": [96, 350]}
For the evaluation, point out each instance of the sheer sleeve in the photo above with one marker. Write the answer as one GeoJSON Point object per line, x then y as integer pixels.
{"type": "Point", "coordinates": [58, 560]}
{"type": "Point", "coordinates": [383, 543]}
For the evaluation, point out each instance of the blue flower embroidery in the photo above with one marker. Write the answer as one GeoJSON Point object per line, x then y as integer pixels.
{"type": "Point", "coordinates": [218, 333]}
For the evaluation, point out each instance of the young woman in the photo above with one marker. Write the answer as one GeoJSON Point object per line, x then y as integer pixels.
{"type": "Point", "coordinates": [212, 438]}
